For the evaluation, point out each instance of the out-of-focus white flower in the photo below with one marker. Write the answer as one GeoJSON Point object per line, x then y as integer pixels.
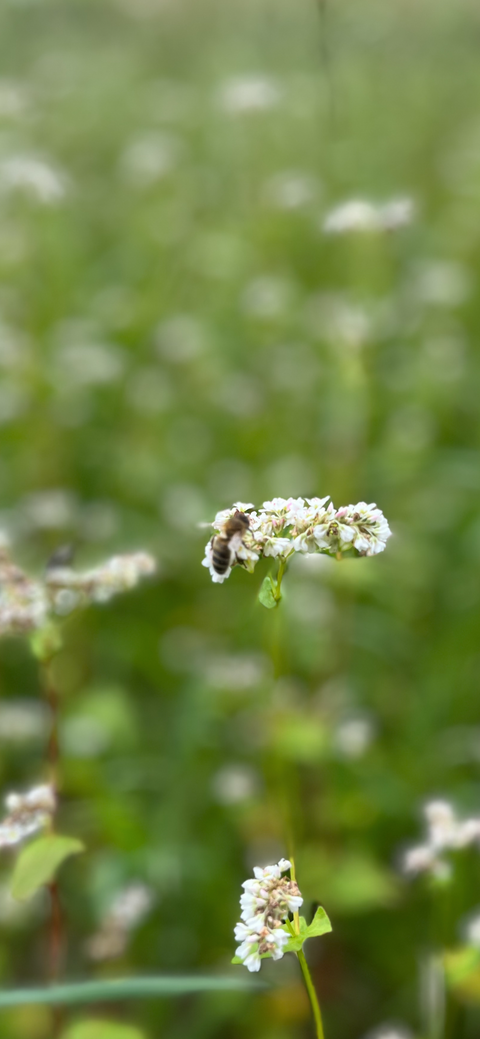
{"type": "Point", "coordinates": [27, 813]}
{"type": "Point", "coordinates": [34, 177]}
{"type": "Point", "coordinates": [128, 909]}
{"type": "Point", "coordinates": [353, 737]}
{"type": "Point", "coordinates": [443, 283]}
{"type": "Point", "coordinates": [267, 297]}
{"type": "Point", "coordinates": [364, 215]}
{"type": "Point", "coordinates": [236, 672]}
{"type": "Point", "coordinates": [249, 94]}
{"type": "Point", "coordinates": [266, 902]}
{"type": "Point", "coordinates": [26, 604]}
{"type": "Point", "coordinates": [471, 929]}
{"type": "Point", "coordinates": [22, 721]}
{"type": "Point", "coordinates": [87, 363]}
{"type": "Point", "coordinates": [445, 832]}
{"type": "Point", "coordinates": [149, 158]}
{"type": "Point", "coordinates": [290, 190]}
{"type": "Point", "coordinates": [388, 1031]}
{"type": "Point", "coordinates": [23, 602]}
{"type": "Point", "coordinates": [51, 509]}
{"type": "Point", "coordinates": [13, 99]}
{"type": "Point", "coordinates": [180, 338]}
{"type": "Point", "coordinates": [118, 574]}
{"type": "Point", "coordinates": [234, 784]}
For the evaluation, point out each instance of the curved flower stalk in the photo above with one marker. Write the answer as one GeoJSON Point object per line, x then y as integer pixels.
{"type": "Point", "coordinates": [265, 929]}
{"type": "Point", "coordinates": [284, 526]}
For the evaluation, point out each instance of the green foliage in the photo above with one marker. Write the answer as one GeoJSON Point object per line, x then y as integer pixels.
{"type": "Point", "coordinates": [101, 1029]}
{"type": "Point", "coordinates": [38, 863]}
{"type": "Point", "coordinates": [462, 972]}
{"type": "Point", "coordinates": [302, 364]}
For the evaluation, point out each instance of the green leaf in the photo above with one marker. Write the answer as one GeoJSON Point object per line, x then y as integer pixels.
{"type": "Point", "coordinates": [296, 942]}
{"type": "Point", "coordinates": [236, 959]}
{"type": "Point", "coordinates": [266, 594]}
{"type": "Point", "coordinates": [37, 864]}
{"type": "Point", "coordinates": [319, 925]}
{"type": "Point", "coordinates": [101, 1029]}
{"type": "Point", "coordinates": [46, 642]}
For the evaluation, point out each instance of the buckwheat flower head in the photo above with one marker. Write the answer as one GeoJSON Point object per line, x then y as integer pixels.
{"type": "Point", "coordinates": [118, 574]}
{"type": "Point", "coordinates": [283, 526]}
{"type": "Point", "coordinates": [266, 901]}
{"type": "Point", "coordinates": [27, 813]}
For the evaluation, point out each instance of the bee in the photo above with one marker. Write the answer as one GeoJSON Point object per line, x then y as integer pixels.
{"type": "Point", "coordinates": [226, 544]}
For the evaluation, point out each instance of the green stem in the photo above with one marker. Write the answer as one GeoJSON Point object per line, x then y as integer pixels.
{"type": "Point", "coordinates": [282, 566]}
{"type": "Point", "coordinates": [296, 916]}
{"type": "Point", "coordinates": [312, 995]}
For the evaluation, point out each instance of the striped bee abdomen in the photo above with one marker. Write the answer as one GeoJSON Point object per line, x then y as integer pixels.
{"type": "Point", "coordinates": [221, 555]}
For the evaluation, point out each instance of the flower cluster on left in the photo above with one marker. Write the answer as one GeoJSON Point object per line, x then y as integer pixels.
{"type": "Point", "coordinates": [27, 604]}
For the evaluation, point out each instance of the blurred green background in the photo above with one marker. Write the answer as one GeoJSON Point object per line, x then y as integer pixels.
{"type": "Point", "coordinates": [177, 332]}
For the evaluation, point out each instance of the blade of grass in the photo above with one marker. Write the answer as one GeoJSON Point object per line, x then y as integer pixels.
{"type": "Point", "coordinates": [124, 988]}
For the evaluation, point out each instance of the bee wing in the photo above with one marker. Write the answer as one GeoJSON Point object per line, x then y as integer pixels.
{"type": "Point", "coordinates": [204, 526]}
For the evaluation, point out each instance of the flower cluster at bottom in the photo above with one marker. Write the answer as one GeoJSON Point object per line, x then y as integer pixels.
{"type": "Point", "coordinates": [266, 902]}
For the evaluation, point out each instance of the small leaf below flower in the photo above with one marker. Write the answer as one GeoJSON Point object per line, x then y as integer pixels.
{"type": "Point", "coordinates": [266, 594]}
{"type": "Point", "coordinates": [37, 864]}
{"type": "Point", "coordinates": [319, 925]}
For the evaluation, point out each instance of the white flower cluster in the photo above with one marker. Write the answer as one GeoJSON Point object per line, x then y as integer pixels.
{"type": "Point", "coordinates": [118, 574]}
{"type": "Point", "coordinates": [128, 909]}
{"type": "Point", "coordinates": [287, 525]}
{"type": "Point", "coordinates": [445, 832]}
{"type": "Point", "coordinates": [364, 215]}
{"type": "Point", "coordinates": [26, 603]}
{"type": "Point", "coordinates": [27, 813]}
{"type": "Point", "coordinates": [266, 903]}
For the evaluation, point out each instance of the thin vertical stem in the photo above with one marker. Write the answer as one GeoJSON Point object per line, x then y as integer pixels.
{"type": "Point", "coordinates": [56, 926]}
{"type": "Point", "coordinates": [282, 566]}
{"type": "Point", "coordinates": [312, 995]}
{"type": "Point", "coordinates": [53, 749]}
